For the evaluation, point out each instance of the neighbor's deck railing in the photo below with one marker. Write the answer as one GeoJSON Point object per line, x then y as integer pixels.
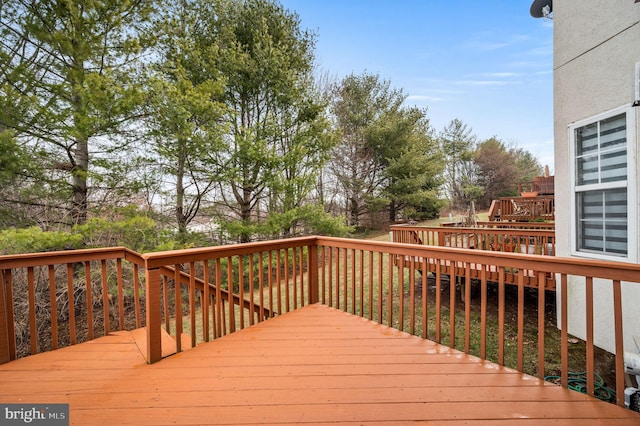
{"type": "Point", "coordinates": [507, 225]}
{"type": "Point", "coordinates": [527, 241]}
{"type": "Point", "coordinates": [377, 280]}
{"type": "Point", "coordinates": [523, 209]}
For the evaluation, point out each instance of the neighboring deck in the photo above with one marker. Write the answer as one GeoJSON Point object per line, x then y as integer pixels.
{"type": "Point", "coordinates": [312, 365]}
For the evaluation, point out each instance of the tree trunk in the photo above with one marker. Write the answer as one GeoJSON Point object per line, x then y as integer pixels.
{"type": "Point", "coordinates": [392, 211]}
{"type": "Point", "coordinates": [80, 157]}
{"type": "Point", "coordinates": [245, 213]}
{"type": "Point", "coordinates": [180, 217]}
{"type": "Point", "coordinates": [353, 212]}
{"type": "Point", "coordinates": [80, 172]}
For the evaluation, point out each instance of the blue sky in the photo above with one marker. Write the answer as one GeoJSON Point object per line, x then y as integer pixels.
{"type": "Point", "coordinates": [487, 63]}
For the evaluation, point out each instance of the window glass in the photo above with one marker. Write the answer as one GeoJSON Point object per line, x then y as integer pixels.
{"type": "Point", "coordinates": [601, 186]}
{"type": "Point", "coordinates": [602, 221]}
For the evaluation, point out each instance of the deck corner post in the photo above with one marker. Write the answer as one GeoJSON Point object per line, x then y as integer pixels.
{"type": "Point", "coordinates": [4, 324]}
{"type": "Point", "coordinates": [153, 315]}
{"type": "Point", "coordinates": [314, 293]}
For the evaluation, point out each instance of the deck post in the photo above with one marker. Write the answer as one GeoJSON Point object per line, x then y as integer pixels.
{"type": "Point", "coordinates": [4, 326]}
{"type": "Point", "coordinates": [153, 315]}
{"type": "Point", "coordinates": [314, 293]}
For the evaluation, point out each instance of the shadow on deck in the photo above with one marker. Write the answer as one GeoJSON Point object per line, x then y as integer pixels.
{"type": "Point", "coordinates": [312, 365]}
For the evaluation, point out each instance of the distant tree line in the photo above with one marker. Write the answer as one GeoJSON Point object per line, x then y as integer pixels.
{"type": "Point", "coordinates": [142, 117]}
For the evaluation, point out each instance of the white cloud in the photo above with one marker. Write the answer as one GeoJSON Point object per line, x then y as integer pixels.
{"type": "Point", "coordinates": [424, 98]}
{"type": "Point", "coordinates": [501, 74]}
{"type": "Point", "coordinates": [482, 82]}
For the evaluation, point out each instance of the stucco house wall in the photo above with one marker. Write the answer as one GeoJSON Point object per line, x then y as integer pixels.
{"type": "Point", "coordinates": [596, 48]}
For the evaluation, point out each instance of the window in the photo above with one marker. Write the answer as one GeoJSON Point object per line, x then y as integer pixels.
{"type": "Point", "coordinates": [603, 202]}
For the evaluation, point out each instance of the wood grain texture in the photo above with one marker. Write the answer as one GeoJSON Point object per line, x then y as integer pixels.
{"type": "Point", "coordinates": [312, 365]}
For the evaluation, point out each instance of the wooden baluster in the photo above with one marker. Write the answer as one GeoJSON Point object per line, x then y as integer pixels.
{"type": "Point", "coordinates": [370, 258]}
{"type": "Point", "coordinates": [521, 319]}
{"type": "Point", "coordinates": [589, 336]}
{"type": "Point", "coordinates": [192, 303]}
{"type": "Point", "coordinates": [54, 308]}
{"type": "Point", "coordinates": [425, 284]}
{"type": "Point", "coordinates": [261, 284]}
{"type": "Point", "coordinates": [206, 300]}
{"type": "Point", "coordinates": [619, 342]}
{"type": "Point", "coordinates": [136, 294]}
{"type": "Point", "coordinates": [541, 323]}
{"type": "Point", "coordinates": [241, 308]}
{"type": "Point", "coordinates": [564, 334]}
{"type": "Point", "coordinates": [251, 290]}
{"type": "Point", "coordinates": [501, 315]}
{"type": "Point", "coordinates": [72, 308]}
{"type": "Point", "coordinates": [120, 293]}
{"type": "Point", "coordinates": [105, 297]}
{"type": "Point", "coordinates": [287, 278]}
{"type": "Point", "coordinates": [412, 295]}
{"type": "Point", "coordinates": [178, 307]}
{"type": "Point", "coordinates": [232, 307]}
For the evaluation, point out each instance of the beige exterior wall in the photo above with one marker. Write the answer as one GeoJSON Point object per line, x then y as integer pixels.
{"type": "Point", "coordinates": [596, 47]}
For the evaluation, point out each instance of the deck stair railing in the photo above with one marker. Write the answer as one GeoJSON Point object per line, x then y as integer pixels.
{"type": "Point", "coordinates": [382, 281]}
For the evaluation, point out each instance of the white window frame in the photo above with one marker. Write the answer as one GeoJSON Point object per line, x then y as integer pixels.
{"type": "Point", "coordinates": [630, 184]}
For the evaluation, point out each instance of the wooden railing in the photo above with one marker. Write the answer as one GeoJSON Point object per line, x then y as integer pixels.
{"type": "Point", "coordinates": [508, 225]}
{"type": "Point", "coordinates": [539, 242]}
{"type": "Point", "coordinates": [365, 278]}
{"type": "Point", "coordinates": [514, 240]}
{"type": "Point", "coordinates": [522, 209]}
{"type": "Point", "coordinates": [542, 185]}
{"type": "Point", "coordinates": [265, 279]}
{"type": "Point", "coordinates": [384, 282]}
{"type": "Point", "coordinates": [51, 300]}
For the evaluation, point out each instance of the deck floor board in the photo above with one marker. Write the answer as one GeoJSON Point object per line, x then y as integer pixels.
{"type": "Point", "coordinates": [313, 365]}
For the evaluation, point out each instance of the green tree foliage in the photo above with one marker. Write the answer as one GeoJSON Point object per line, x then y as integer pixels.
{"type": "Point", "coordinates": [17, 166]}
{"type": "Point", "coordinates": [497, 170]}
{"type": "Point", "coordinates": [183, 112]}
{"type": "Point", "coordinates": [359, 104]}
{"type": "Point", "coordinates": [387, 156]}
{"type": "Point", "coordinates": [69, 84]}
{"type": "Point", "coordinates": [501, 168]}
{"type": "Point", "coordinates": [127, 227]}
{"type": "Point", "coordinates": [276, 142]}
{"type": "Point", "coordinates": [528, 165]}
{"type": "Point", "coordinates": [34, 239]}
{"type": "Point", "coordinates": [411, 163]}
{"type": "Point", "coordinates": [458, 142]}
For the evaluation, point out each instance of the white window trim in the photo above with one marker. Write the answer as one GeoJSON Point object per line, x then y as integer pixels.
{"type": "Point", "coordinates": [631, 185]}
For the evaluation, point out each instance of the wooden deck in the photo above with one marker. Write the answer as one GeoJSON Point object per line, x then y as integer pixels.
{"type": "Point", "coordinates": [313, 365]}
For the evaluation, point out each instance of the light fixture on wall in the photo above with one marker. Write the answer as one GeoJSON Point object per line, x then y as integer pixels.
{"type": "Point", "coordinates": [542, 9]}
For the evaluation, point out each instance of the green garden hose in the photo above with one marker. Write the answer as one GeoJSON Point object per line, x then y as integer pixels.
{"type": "Point", "coordinates": [578, 382]}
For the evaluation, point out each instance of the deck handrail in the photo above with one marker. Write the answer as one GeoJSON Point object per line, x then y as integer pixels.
{"type": "Point", "coordinates": [67, 271]}
{"type": "Point", "coordinates": [456, 263]}
{"type": "Point", "coordinates": [154, 263]}
{"type": "Point", "coordinates": [363, 277]}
